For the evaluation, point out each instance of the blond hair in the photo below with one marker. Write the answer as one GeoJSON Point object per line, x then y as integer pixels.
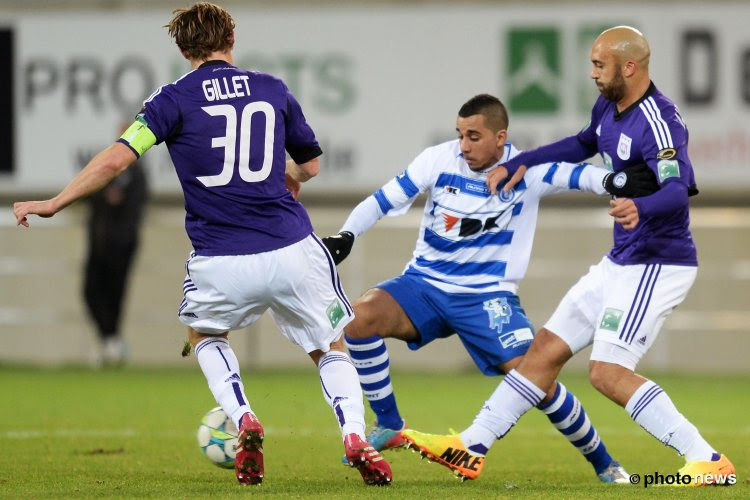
{"type": "Point", "coordinates": [202, 29]}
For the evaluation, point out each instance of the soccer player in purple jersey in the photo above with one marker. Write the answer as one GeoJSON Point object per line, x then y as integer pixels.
{"type": "Point", "coordinates": [622, 302]}
{"type": "Point", "coordinates": [227, 131]}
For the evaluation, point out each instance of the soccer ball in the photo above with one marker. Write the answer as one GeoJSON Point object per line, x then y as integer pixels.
{"type": "Point", "coordinates": [217, 438]}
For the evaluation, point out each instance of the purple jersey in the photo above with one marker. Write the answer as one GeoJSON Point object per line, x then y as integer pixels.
{"type": "Point", "coordinates": [649, 131]}
{"type": "Point", "coordinates": [227, 130]}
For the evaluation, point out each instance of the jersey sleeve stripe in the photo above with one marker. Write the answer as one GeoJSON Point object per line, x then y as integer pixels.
{"type": "Point", "coordinates": [383, 202]}
{"type": "Point", "coordinates": [652, 103]}
{"type": "Point", "coordinates": [496, 268]}
{"type": "Point", "coordinates": [575, 177]}
{"type": "Point", "coordinates": [658, 126]}
{"type": "Point", "coordinates": [407, 184]}
{"type": "Point", "coordinates": [445, 245]}
{"type": "Point", "coordinates": [661, 125]}
{"type": "Point", "coordinates": [550, 173]}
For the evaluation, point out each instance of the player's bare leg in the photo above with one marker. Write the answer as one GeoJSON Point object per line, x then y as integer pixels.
{"type": "Point", "coordinates": [561, 406]}
{"type": "Point", "coordinates": [650, 407]}
{"type": "Point", "coordinates": [377, 315]}
{"type": "Point", "coordinates": [338, 380]}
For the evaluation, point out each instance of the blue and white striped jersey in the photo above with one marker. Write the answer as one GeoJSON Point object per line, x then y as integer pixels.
{"type": "Point", "coordinates": [469, 239]}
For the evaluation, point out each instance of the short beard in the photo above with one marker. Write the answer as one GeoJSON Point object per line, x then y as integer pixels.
{"type": "Point", "coordinates": [615, 91]}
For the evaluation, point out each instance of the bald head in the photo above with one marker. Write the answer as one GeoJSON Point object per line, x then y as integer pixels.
{"type": "Point", "coordinates": [625, 43]}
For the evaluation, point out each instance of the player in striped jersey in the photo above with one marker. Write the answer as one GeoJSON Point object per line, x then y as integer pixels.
{"type": "Point", "coordinates": [472, 252]}
{"type": "Point", "coordinates": [620, 305]}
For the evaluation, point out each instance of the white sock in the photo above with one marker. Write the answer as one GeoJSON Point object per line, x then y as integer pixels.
{"type": "Point", "coordinates": [652, 409]}
{"type": "Point", "coordinates": [513, 397]}
{"type": "Point", "coordinates": [340, 384]}
{"type": "Point", "coordinates": [222, 371]}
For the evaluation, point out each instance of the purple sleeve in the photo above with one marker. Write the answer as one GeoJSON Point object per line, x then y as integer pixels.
{"type": "Point", "coordinates": [161, 112]}
{"type": "Point", "coordinates": [301, 143]}
{"type": "Point", "coordinates": [571, 149]}
{"type": "Point", "coordinates": [671, 196]}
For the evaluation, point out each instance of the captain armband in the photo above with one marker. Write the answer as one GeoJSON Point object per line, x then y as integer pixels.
{"type": "Point", "coordinates": [139, 137]}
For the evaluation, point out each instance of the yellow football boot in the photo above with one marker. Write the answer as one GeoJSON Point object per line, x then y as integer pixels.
{"type": "Point", "coordinates": [710, 472]}
{"type": "Point", "coordinates": [446, 450]}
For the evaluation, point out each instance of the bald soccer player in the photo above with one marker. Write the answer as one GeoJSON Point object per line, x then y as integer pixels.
{"type": "Point", "coordinates": [621, 304]}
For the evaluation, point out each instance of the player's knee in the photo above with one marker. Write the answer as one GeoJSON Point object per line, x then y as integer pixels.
{"type": "Point", "coordinates": [547, 350]}
{"type": "Point", "coordinates": [367, 317]}
{"type": "Point", "coordinates": [602, 377]}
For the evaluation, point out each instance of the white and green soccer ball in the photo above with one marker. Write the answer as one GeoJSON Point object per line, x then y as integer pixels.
{"type": "Point", "coordinates": [217, 438]}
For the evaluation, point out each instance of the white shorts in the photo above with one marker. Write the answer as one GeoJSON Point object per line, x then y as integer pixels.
{"type": "Point", "coordinates": [298, 283]}
{"type": "Point", "coordinates": [624, 306]}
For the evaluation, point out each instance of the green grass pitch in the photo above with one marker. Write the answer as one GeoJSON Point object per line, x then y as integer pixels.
{"type": "Point", "coordinates": [131, 433]}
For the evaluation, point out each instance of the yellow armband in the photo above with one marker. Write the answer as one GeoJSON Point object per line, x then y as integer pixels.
{"type": "Point", "coordinates": [139, 136]}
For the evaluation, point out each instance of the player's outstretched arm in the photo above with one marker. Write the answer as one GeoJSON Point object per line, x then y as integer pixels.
{"type": "Point", "coordinates": [99, 172]}
{"type": "Point", "coordinates": [632, 182]}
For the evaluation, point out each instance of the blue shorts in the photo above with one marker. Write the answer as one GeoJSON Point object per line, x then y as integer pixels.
{"type": "Point", "coordinates": [493, 327]}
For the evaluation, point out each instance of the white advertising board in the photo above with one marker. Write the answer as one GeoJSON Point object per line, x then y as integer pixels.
{"type": "Point", "coordinates": [379, 85]}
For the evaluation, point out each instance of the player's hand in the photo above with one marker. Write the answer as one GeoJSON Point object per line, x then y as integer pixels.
{"type": "Point", "coordinates": [497, 176]}
{"type": "Point", "coordinates": [292, 185]}
{"type": "Point", "coordinates": [22, 209]}
{"type": "Point", "coordinates": [625, 212]}
{"type": "Point", "coordinates": [632, 182]}
{"type": "Point", "coordinates": [339, 245]}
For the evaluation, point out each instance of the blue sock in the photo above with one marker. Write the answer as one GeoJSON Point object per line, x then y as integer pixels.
{"type": "Point", "coordinates": [370, 358]}
{"type": "Point", "coordinates": [567, 414]}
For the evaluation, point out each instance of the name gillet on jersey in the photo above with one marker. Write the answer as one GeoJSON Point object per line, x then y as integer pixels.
{"type": "Point", "coordinates": [220, 88]}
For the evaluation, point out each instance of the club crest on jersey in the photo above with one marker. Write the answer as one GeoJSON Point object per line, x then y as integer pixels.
{"type": "Point", "coordinates": [506, 197]}
{"type": "Point", "coordinates": [623, 147]}
{"type": "Point", "coordinates": [499, 312]}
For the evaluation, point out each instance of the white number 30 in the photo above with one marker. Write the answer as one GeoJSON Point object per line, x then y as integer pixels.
{"type": "Point", "coordinates": [229, 141]}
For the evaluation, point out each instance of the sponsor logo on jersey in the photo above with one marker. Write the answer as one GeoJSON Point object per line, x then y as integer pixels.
{"type": "Point", "coordinates": [334, 312]}
{"type": "Point", "coordinates": [483, 189]}
{"type": "Point", "coordinates": [233, 376]}
{"type": "Point", "coordinates": [599, 130]}
{"type": "Point", "coordinates": [642, 340]}
{"type": "Point", "coordinates": [607, 160]}
{"type": "Point", "coordinates": [611, 319]}
{"type": "Point", "coordinates": [515, 338]}
{"type": "Point", "coordinates": [499, 312]}
{"type": "Point", "coordinates": [450, 221]}
{"type": "Point", "coordinates": [666, 154]}
{"type": "Point", "coordinates": [190, 315]}
{"type": "Point", "coordinates": [623, 147]}
{"type": "Point", "coordinates": [452, 190]}
{"type": "Point", "coordinates": [462, 458]}
{"type": "Point", "coordinates": [667, 169]}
